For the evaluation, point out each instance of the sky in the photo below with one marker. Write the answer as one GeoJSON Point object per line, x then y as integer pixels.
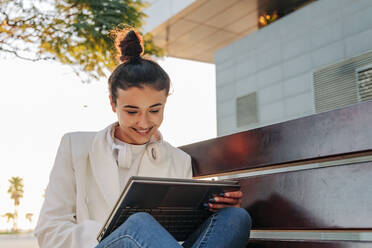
{"type": "Point", "coordinates": [40, 101]}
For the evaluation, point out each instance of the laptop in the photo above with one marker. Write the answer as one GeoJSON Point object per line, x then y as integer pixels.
{"type": "Point", "coordinates": [179, 205]}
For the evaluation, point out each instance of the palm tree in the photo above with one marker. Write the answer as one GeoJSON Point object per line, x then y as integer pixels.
{"type": "Point", "coordinates": [29, 218]}
{"type": "Point", "coordinates": [16, 193]}
{"type": "Point", "coordinates": [11, 216]}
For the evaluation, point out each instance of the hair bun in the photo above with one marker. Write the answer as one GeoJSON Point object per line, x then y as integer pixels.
{"type": "Point", "coordinates": [131, 46]}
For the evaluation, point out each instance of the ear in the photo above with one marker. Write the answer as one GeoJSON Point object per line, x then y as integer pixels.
{"type": "Point", "coordinates": [113, 104]}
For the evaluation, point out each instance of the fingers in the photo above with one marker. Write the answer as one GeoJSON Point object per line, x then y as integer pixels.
{"type": "Point", "coordinates": [234, 194]}
{"type": "Point", "coordinates": [216, 206]}
{"type": "Point", "coordinates": [230, 199]}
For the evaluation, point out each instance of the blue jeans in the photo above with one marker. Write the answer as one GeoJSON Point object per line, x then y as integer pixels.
{"type": "Point", "coordinates": [229, 227]}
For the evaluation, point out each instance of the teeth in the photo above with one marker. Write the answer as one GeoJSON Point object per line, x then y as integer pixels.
{"type": "Point", "coordinates": [144, 130]}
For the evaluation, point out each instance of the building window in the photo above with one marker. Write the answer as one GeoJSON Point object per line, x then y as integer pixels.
{"type": "Point", "coordinates": [246, 107]}
{"type": "Point", "coordinates": [364, 79]}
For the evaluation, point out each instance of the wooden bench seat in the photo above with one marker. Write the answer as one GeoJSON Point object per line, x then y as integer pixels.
{"type": "Point", "coordinates": [311, 174]}
{"type": "Point", "coordinates": [307, 244]}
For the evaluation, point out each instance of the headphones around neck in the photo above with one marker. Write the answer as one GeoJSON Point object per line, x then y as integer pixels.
{"type": "Point", "coordinates": [155, 151]}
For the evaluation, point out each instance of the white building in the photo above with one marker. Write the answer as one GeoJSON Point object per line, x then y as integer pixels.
{"type": "Point", "coordinates": [308, 61]}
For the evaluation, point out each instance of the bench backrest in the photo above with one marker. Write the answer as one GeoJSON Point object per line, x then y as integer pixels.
{"type": "Point", "coordinates": [308, 175]}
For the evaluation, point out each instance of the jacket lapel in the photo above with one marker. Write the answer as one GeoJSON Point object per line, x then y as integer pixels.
{"type": "Point", "coordinates": [104, 168]}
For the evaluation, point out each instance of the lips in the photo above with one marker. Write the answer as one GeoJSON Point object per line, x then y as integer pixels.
{"type": "Point", "coordinates": [143, 132]}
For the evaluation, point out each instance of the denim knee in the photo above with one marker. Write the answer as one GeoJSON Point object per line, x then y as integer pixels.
{"type": "Point", "coordinates": [239, 217]}
{"type": "Point", "coordinates": [139, 218]}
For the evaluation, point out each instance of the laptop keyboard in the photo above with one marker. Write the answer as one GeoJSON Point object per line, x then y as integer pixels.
{"type": "Point", "coordinates": [179, 223]}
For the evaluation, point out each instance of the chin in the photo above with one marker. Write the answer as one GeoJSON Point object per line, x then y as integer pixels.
{"type": "Point", "coordinates": [139, 140]}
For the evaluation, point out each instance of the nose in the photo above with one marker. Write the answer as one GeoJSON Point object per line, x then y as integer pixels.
{"type": "Point", "coordinates": [143, 121]}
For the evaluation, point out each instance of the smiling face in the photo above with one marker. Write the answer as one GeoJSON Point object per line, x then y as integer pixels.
{"type": "Point", "coordinates": [140, 113]}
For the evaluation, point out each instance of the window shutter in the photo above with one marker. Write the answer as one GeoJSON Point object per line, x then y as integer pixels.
{"type": "Point", "coordinates": [365, 84]}
{"type": "Point", "coordinates": [343, 83]}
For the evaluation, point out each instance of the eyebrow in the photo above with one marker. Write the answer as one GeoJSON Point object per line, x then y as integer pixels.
{"type": "Point", "coordinates": [135, 107]}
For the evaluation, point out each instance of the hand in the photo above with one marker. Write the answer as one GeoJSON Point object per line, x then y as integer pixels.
{"type": "Point", "coordinates": [230, 199]}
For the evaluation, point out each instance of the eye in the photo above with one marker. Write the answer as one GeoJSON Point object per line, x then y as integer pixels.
{"type": "Point", "coordinates": [131, 112]}
{"type": "Point", "coordinates": [154, 111]}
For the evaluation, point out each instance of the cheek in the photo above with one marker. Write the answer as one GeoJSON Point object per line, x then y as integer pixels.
{"type": "Point", "coordinates": [158, 119]}
{"type": "Point", "coordinates": [124, 119]}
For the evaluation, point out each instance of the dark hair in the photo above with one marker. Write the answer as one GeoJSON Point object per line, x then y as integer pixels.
{"type": "Point", "coordinates": [135, 71]}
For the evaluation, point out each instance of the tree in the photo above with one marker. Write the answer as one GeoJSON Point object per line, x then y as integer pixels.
{"type": "Point", "coordinates": [29, 218]}
{"type": "Point", "coordinates": [11, 216]}
{"type": "Point", "coordinates": [16, 193]}
{"type": "Point", "coordinates": [73, 32]}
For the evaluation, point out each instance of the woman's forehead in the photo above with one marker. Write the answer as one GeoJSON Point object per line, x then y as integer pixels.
{"type": "Point", "coordinates": [141, 97]}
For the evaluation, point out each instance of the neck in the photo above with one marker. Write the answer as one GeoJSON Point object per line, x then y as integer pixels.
{"type": "Point", "coordinates": [120, 136]}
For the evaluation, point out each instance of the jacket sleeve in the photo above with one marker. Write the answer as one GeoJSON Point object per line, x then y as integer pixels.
{"type": "Point", "coordinates": [188, 167]}
{"type": "Point", "coordinates": [57, 226]}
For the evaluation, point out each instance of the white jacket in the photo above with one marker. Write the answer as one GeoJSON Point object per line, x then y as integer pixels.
{"type": "Point", "coordinates": [84, 186]}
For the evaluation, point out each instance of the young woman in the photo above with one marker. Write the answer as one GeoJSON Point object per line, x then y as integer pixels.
{"type": "Point", "coordinates": [91, 169]}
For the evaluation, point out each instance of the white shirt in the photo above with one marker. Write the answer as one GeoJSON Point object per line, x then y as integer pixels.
{"type": "Point", "coordinates": [128, 157]}
{"type": "Point", "coordinates": [135, 157]}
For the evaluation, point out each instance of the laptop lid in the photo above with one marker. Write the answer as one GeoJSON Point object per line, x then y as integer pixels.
{"type": "Point", "coordinates": [164, 193]}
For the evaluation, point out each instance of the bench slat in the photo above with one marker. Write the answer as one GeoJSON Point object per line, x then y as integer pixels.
{"type": "Point", "coordinates": [307, 244]}
{"type": "Point", "coordinates": [336, 197]}
{"type": "Point", "coordinates": [342, 131]}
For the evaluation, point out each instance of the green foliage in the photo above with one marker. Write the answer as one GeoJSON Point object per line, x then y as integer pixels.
{"type": "Point", "coordinates": [73, 32]}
